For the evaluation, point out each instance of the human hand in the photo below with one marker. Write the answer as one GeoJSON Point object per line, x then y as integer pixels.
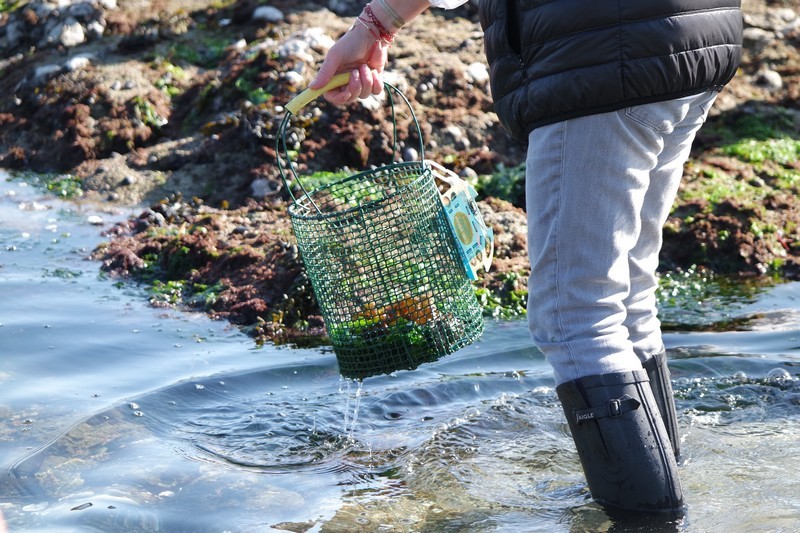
{"type": "Point", "coordinates": [359, 52]}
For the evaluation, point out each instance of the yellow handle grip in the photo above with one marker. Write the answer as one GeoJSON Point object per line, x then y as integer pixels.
{"type": "Point", "coordinates": [309, 95]}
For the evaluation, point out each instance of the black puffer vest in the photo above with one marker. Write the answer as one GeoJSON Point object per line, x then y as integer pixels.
{"type": "Point", "coordinates": [551, 60]}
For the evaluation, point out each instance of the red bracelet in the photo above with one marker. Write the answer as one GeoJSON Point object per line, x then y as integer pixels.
{"type": "Point", "coordinates": [386, 35]}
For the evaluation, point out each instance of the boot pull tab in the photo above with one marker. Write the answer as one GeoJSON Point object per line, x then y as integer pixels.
{"type": "Point", "coordinates": [613, 408]}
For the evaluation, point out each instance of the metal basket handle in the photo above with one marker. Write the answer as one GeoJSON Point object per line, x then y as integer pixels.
{"type": "Point", "coordinates": [309, 95]}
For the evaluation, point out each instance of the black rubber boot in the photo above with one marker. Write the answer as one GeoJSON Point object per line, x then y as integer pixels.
{"type": "Point", "coordinates": [623, 446]}
{"type": "Point", "coordinates": [658, 373]}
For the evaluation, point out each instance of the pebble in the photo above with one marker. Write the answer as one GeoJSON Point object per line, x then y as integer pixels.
{"type": "Point", "coordinates": [410, 154]}
{"type": "Point", "coordinates": [267, 14]}
{"type": "Point", "coordinates": [318, 39]}
{"type": "Point", "coordinates": [468, 173]}
{"type": "Point", "coordinates": [95, 220]}
{"type": "Point", "coordinates": [296, 49]}
{"type": "Point", "coordinates": [262, 187]}
{"type": "Point", "coordinates": [477, 73]}
{"type": "Point", "coordinates": [769, 79]}
{"type": "Point", "coordinates": [72, 33]}
{"type": "Point", "coordinates": [293, 78]}
{"type": "Point", "coordinates": [457, 135]}
{"type": "Point", "coordinates": [758, 38]}
{"type": "Point", "coordinates": [78, 62]}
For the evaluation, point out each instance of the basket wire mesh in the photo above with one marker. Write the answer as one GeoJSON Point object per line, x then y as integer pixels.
{"type": "Point", "coordinates": [383, 264]}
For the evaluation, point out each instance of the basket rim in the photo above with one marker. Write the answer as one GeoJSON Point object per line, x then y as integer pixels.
{"type": "Point", "coordinates": [295, 206]}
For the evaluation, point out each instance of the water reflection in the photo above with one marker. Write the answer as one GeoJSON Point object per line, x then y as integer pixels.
{"type": "Point", "coordinates": [119, 417]}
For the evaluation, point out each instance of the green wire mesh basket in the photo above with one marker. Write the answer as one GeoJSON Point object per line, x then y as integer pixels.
{"type": "Point", "coordinates": [382, 261]}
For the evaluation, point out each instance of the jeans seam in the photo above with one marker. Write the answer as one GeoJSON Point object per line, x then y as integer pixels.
{"type": "Point", "coordinates": [561, 329]}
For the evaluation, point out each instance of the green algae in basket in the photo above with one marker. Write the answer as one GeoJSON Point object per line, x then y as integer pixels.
{"type": "Point", "coordinates": [383, 263]}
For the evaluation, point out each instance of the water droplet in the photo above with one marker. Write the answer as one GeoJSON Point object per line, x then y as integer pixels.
{"type": "Point", "coordinates": [198, 386]}
{"type": "Point", "coordinates": [138, 413]}
{"type": "Point", "coordinates": [133, 405]}
{"type": "Point", "coordinates": [779, 374]}
{"type": "Point", "coordinates": [740, 376]}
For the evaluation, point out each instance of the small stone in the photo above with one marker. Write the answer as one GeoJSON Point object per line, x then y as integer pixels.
{"type": "Point", "coordinates": [294, 79]}
{"type": "Point", "coordinates": [72, 33]}
{"type": "Point", "coordinates": [262, 187]}
{"type": "Point", "coordinates": [95, 29]}
{"type": "Point", "coordinates": [296, 49]}
{"type": "Point", "coordinates": [267, 14]}
{"type": "Point", "coordinates": [468, 173]}
{"type": "Point", "coordinates": [757, 38]}
{"type": "Point", "coordinates": [410, 154]}
{"type": "Point", "coordinates": [769, 79]}
{"type": "Point", "coordinates": [318, 39]}
{"type": "Point", "coordinates": [95, 220]}
{"type": "Point", "coordinates": [78, 62]}
{"type": "Point", "coordinates": [477, 73]}
{"type": "Point", "coordinates": [128, 180]}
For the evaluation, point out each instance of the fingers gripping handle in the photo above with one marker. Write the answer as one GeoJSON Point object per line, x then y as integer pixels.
{"type": "Point", "coordinates": [309, 95]}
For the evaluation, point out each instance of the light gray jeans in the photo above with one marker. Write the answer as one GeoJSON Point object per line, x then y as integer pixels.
{"type": "Point", "coordinates": [599, 189]}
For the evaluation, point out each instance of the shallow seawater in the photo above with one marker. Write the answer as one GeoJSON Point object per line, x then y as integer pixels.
{"type": "Point", "coordinates": [117, 416]}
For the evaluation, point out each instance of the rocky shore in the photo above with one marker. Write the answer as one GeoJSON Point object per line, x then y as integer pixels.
{"type": "Point", "coordinates": [174, 107]}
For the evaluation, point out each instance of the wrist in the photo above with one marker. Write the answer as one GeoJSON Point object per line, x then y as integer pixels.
{"type": "Point", "coordinates": [374, 19]}
{"type": "Point", "coordinates": [388, 15]}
